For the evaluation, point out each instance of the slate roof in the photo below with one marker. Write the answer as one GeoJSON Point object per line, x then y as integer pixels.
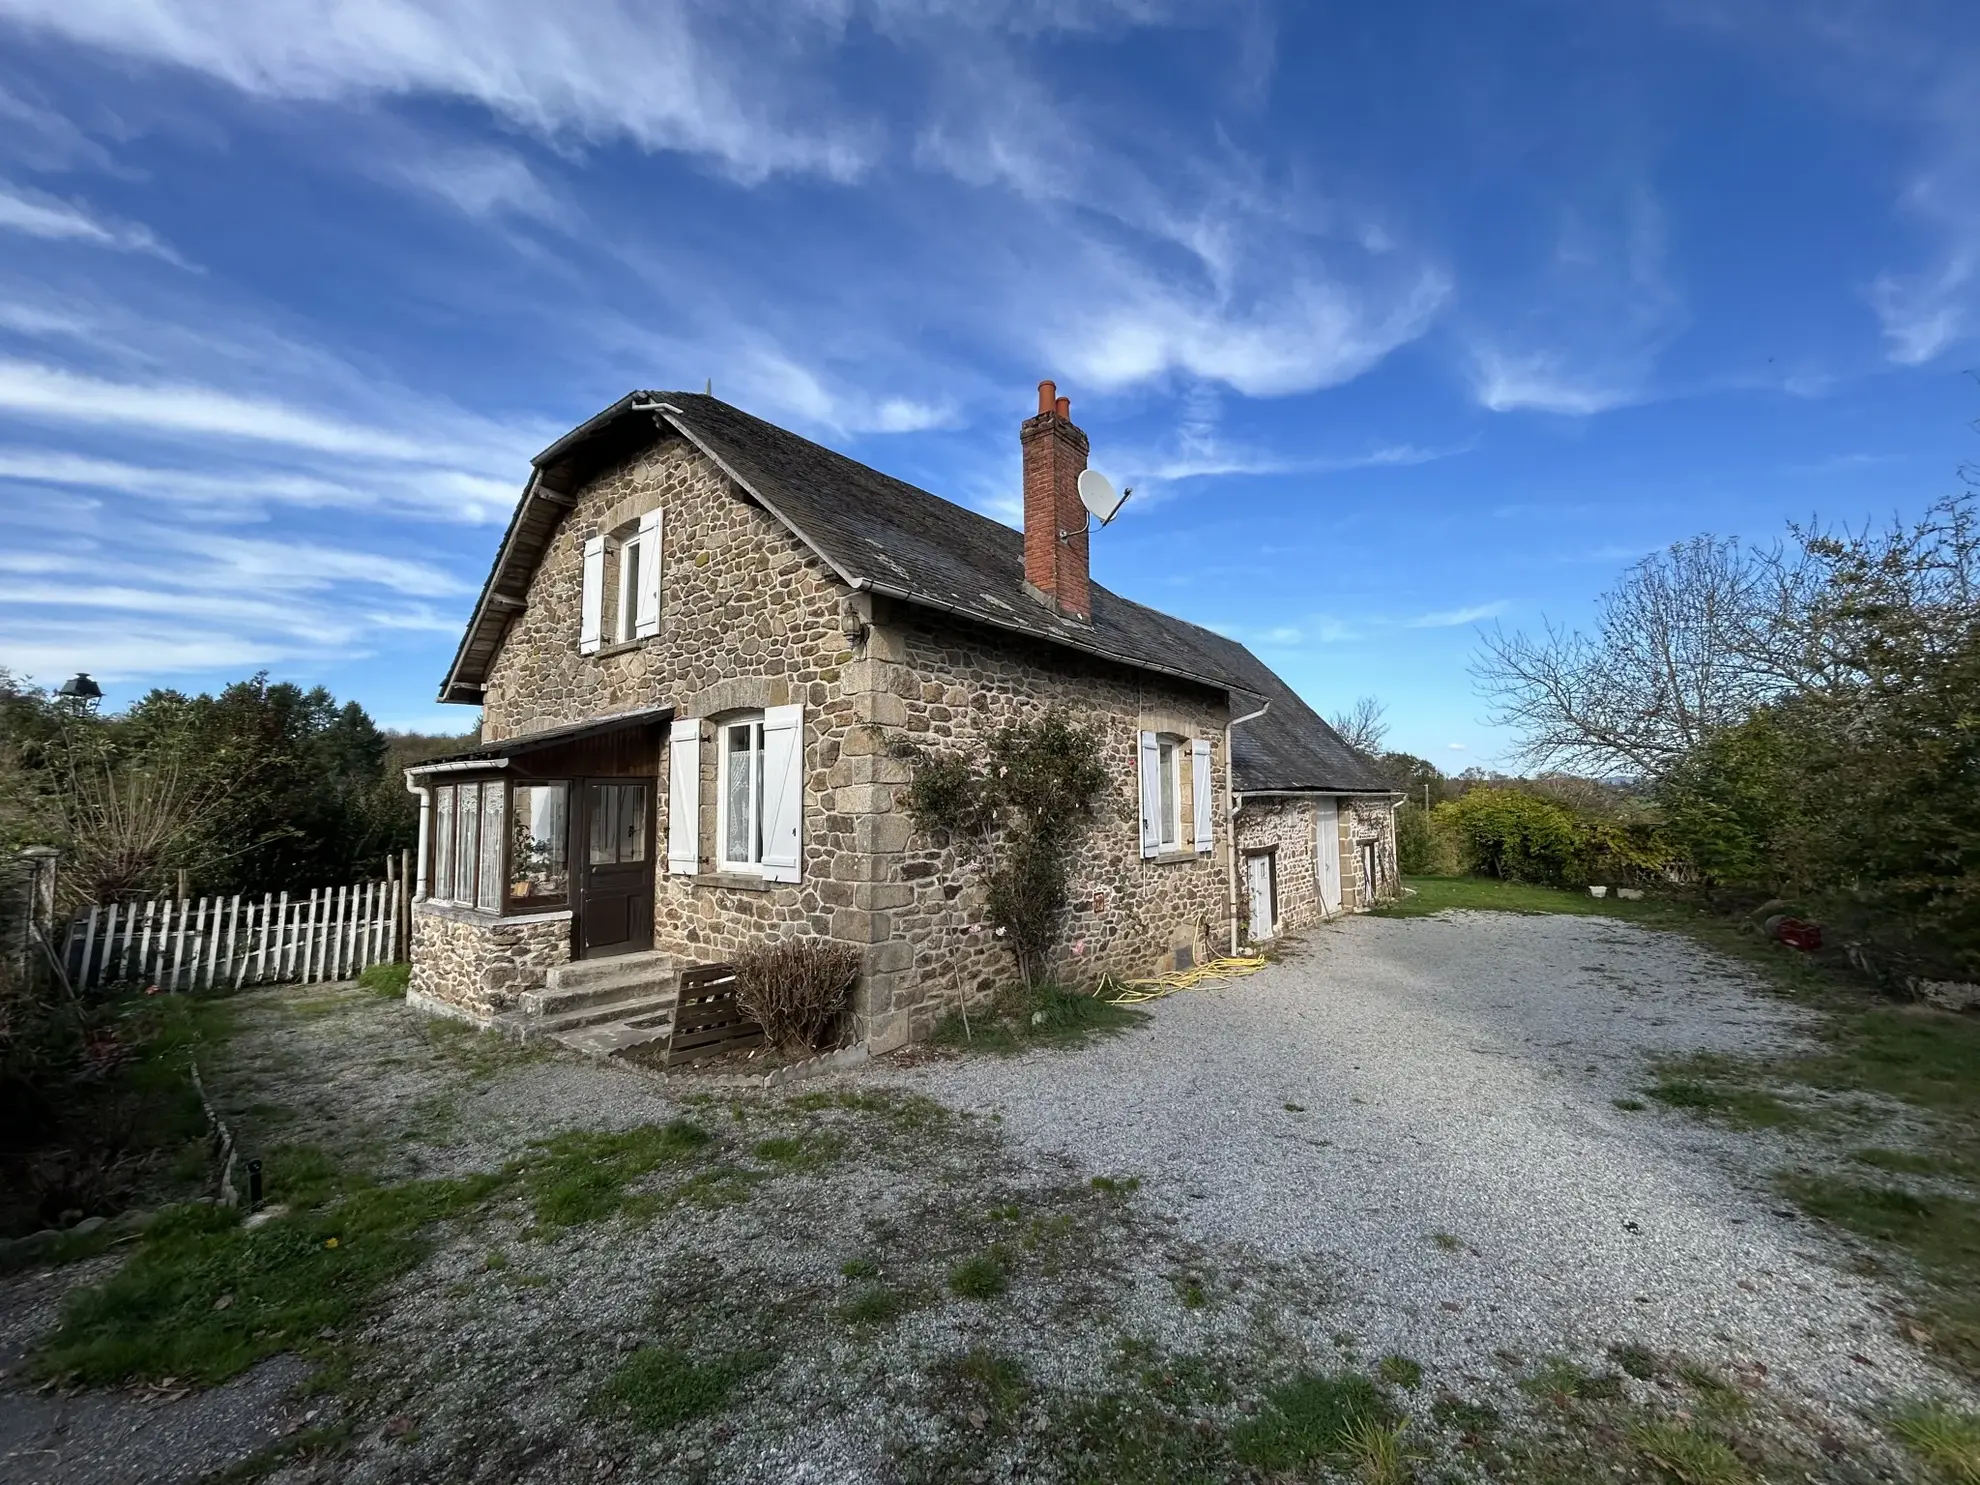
{"type": "Point", "coordinates": [884, 535]}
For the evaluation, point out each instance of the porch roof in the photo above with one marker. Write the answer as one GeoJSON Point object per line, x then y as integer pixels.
{"type": "Point", "coordinates": [496, 753]}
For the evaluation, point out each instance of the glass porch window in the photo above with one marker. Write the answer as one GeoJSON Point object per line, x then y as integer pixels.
{"type": "Point", "coordinates": [488, 891]}
{"type": "Point", "coordinates": [539, 851]}
{"type": "Point", "coordinates": [441, 888]}
{"type": "Point", "coordinates": [467, 840]}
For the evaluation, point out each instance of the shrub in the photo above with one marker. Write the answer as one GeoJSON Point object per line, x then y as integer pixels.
{"type": "Point", "coordinates": [1022, 812]}
{"type": "Point", "coordinates": [1424, 846]}
{"type": "Point", "coordinates": [797, 989]}
{"type": "Point", "coordinates": [1516, 836]}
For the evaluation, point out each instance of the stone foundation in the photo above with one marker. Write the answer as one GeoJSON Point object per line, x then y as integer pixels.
{"type": "Point", "coordinates": [475, 966]}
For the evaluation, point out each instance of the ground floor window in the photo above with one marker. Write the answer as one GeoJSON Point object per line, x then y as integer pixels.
{"type": "Point", "coordinates": [741, 794]}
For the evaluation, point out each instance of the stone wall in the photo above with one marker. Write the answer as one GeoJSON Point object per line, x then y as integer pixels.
{"type": "Point", "coordinates": [946, 686]}
{"type": "Point", "coordinates": [1288, 826]}
{"type": "Point", "coordinates": [475, 966]}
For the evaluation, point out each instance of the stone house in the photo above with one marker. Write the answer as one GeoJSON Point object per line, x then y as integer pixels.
{"type": "Point", "coordinates": [700, 633]}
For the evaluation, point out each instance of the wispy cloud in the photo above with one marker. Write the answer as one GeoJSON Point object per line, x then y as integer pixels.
{"type": "Point", "coordinates": [37, 214]}
{"type": "Point", "coordinates": [1596, 316]}
{"type": "Point", "coordinates": [128, 599]}
{"type": "Point", "coordinates": [1296, 337]}
{"type": "Point", "coordinates": [483, 182]}
{"type": "Point", "coordinates": [52, 394]}
{"type": "Point", "coordinates": [244, 489]}
{"type": "Point", "coordinates": [1457, 618]}
{"type": "Point", "coordinates": [665, 76]}
{"type": "Point", "coordinates": [1928, 311]}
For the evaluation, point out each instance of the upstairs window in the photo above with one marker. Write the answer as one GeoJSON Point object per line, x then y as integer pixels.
{"type": "Point", "coordinates": [620, 597]}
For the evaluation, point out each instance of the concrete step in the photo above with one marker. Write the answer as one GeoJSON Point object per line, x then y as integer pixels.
{"type": "Point", "coordinates": [614, 1036]}
{"type": "Point", "coordinates": [634, 1007]}
{"type": "Point", "coordinates": [581, 974]}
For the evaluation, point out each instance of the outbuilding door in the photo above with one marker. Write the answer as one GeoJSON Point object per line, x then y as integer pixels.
{"type": "Point", "coordinates": [613, 896]}
{"type": "Point", "coordinates": [1328, 845]}
{"type": "Point", "coordinates": [1258, 881]}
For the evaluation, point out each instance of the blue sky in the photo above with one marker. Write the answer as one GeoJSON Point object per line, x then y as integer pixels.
{"type": "Point", "coordinates": [1401, 319]}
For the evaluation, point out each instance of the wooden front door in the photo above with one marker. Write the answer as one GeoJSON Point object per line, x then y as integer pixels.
{"type": "Point", "coordinates": [613, 887]}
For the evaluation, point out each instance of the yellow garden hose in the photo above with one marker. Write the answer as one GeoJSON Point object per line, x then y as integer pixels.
{"type": "Point", "coordinates": [1134, 992]}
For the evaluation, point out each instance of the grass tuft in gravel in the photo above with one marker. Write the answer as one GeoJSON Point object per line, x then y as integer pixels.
{"type": "Point", "coordinates": [1400, 1371]}
{"type": "Point", "coordinates": [807, 1152]}
{"type": "Point", "coordinates": [1043, 1016]}
{"type": "Point", "coordinates": [657, 1388]}
{"type": "Point", "coordinates": [204, 1297]}
{"type": "Point", "coordinates": [1945, 1439]}
{"type": "Point", "coordinates": [1710, 1086]}
{"type": "Point", "coordinates": [1560, 1380]}
{"type": "Point", "coordinates": [583, 1176]}
{"type": "Point", "coordinates": [985, 1379]}
{"type": "Point", "coordinates": [1636, 1361]}
{"type": "Point", "coordinates": [1314, 1419]}
{"type": "Point", "coordinates": [983, 1276]}
{"type": "Point", "coordinates": [874, 1305]}
{"type": "Point", "coordinates": [388, 980]}
{"type": "Point", "coordinates": [1687, 1453]}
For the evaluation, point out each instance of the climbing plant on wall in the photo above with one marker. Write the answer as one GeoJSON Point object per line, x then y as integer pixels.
{"type": "Point", "coordinates": [1020, 806]}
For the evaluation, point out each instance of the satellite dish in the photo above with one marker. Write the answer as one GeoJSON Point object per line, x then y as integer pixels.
{"type": "Point", "coordinates": [1096, 493]}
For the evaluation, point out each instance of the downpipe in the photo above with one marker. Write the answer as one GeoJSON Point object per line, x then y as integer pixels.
{"type": "Point", "coordinates": [1230, 832]}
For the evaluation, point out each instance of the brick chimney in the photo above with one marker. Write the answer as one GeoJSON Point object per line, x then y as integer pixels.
{"type": "Point", "coordinates": [1055, 571]}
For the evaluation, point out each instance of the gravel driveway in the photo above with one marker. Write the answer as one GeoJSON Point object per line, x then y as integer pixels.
{"type": "Point", "coordinates": [1457, 1076]}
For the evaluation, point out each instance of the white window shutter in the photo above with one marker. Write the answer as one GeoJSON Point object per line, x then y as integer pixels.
{"type": "Point", "coordinates": [591, 619]}
{"type": "Point", "coordinates": [783, 792]}
{"type": "Point", "coordinates": [1203, 793]}
{"type": "Point", "coordinates": [684, 796]}
{"type": "Point", "coordinates": [646, 610]}
{"type": "Point", "coordinates": [1151, 795]}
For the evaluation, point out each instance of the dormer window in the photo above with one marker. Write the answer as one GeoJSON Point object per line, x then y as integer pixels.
{"type": "Point", "coordinates": [620, 602]}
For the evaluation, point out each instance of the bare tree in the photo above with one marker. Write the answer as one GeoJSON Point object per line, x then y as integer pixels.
{"type": "Point", "coordinates": [1362, 726]}
{"type": "Point", "coordinates": [1693, 638]}
{"type": "Point", "coordinates": [1676, 652]}
{"type": "Point", "coordinates": [125, 822]}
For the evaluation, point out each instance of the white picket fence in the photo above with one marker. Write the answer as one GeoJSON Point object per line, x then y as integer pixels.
{"type": "Point", "coordinates": [200, 943]}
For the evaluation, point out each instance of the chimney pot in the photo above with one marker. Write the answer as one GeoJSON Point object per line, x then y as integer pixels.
{"type": "Point", "coordinates": [1046, 392]}
{"type": "Point", "coordinates": [1064, 406]}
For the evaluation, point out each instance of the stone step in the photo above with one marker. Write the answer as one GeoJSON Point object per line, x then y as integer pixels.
{"type": "Point", "coordinates": [581, 974]}
{"type": "Point", "coordinates": [644, 978]}
{"type": "Point", "coordinates": [636, 1007]}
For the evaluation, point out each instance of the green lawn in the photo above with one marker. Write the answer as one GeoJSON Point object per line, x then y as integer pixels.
{"type": "Point", "coordinates": [1438, 894]}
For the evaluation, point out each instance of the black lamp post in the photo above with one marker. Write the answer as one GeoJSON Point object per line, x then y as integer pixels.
{"type": "Point", "coordinates": [81, 692]}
